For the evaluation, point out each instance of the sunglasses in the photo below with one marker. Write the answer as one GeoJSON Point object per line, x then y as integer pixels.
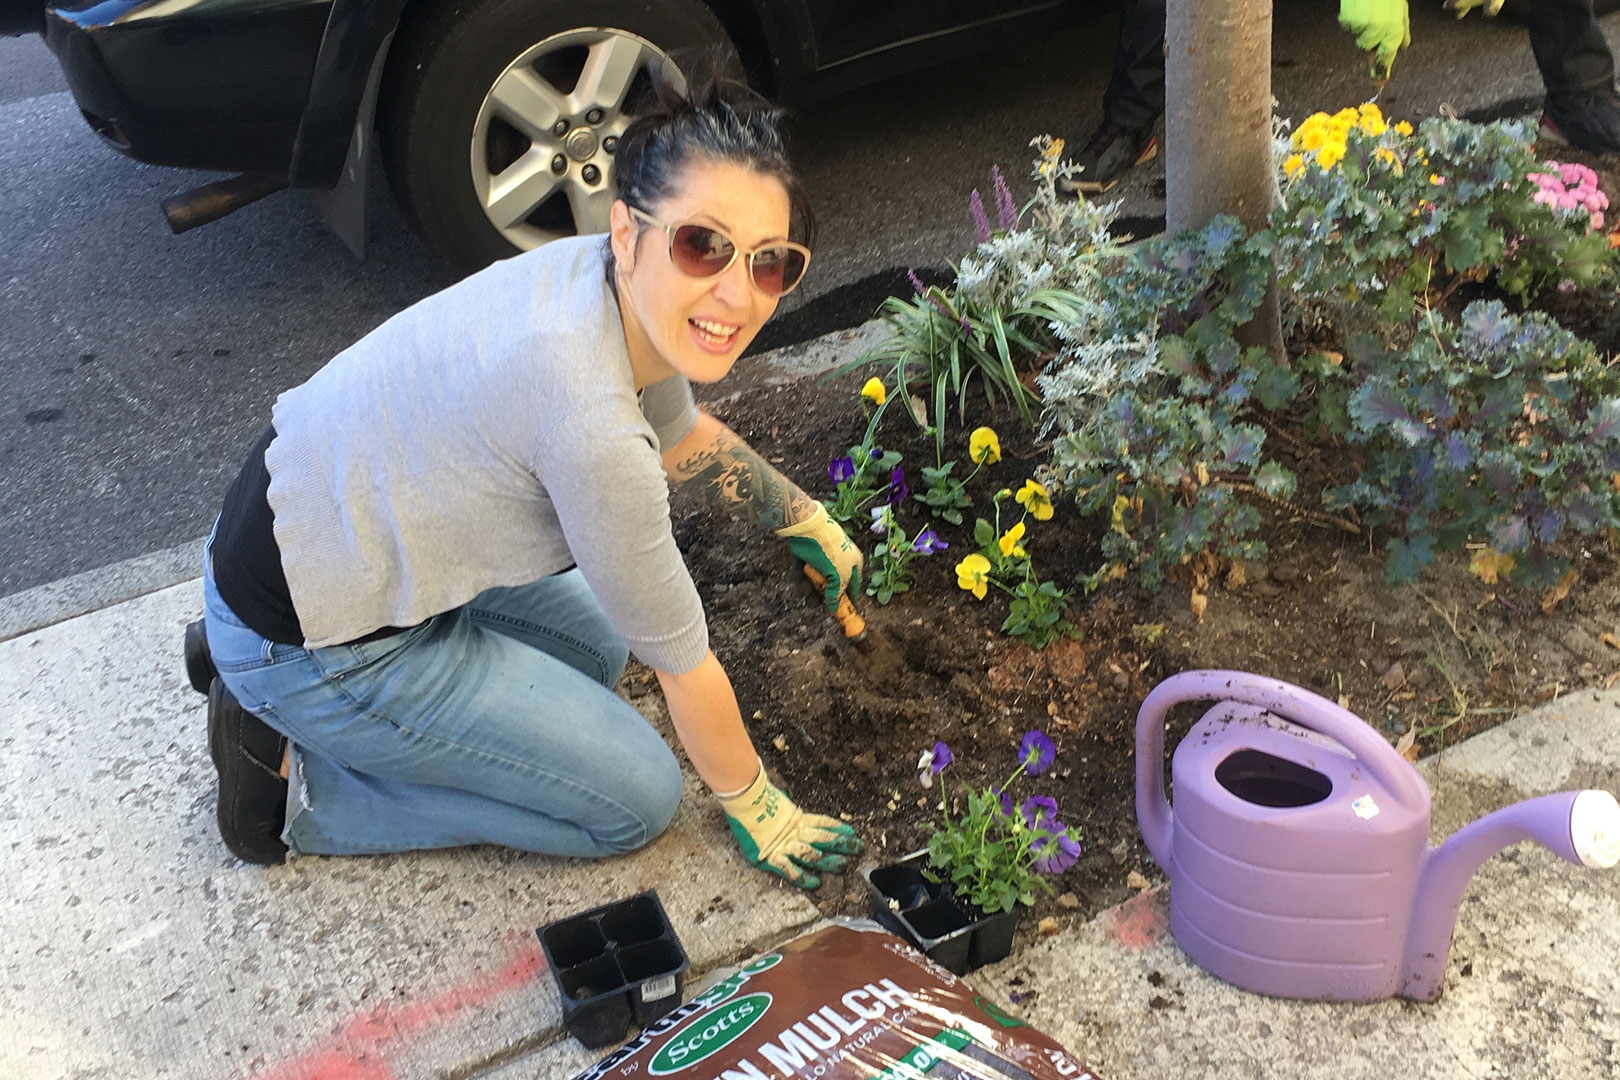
{"type": "Point", "coordinates": [699, 251]}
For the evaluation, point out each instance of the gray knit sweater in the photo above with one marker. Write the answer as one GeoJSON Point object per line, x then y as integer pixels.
{"type": "Point", "coordinates": [489, 435]}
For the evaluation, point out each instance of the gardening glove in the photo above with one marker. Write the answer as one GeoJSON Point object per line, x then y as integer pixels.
{"type": "Point", "coordinates": [1381, 26]}
{"type": "Point", "coordinates": [778, 837]}
{"type": "Point", "coordinates": [1463, 7]}
{"type": "Point", "coordinates": [820, 544]}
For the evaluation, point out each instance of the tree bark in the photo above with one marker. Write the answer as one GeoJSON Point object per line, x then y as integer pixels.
{"type": "Point", "coordinates": [1217, 128]}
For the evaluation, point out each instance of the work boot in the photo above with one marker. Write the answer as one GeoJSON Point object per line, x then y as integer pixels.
{"type": "Point", "coordinates": [1586, 119]}
{"type": "Point", "coordinates": [1111, 151]}
{"type": "Point", "coordinates": [252, 795]}
{"type": "Point", "coordinates": [199, 662]}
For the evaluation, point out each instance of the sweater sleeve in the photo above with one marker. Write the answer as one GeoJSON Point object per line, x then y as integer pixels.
{"type": "Point", "coordinates": [600, 467]}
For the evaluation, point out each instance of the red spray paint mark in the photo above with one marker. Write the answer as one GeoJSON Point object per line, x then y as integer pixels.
{"type": "Point", "coordinates": [1139, 921]}
{"type": "Point", "coordinates": [357, 1050]}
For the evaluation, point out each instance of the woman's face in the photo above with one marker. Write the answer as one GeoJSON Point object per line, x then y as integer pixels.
{"type": "Point", "coordinates": [696, 327]}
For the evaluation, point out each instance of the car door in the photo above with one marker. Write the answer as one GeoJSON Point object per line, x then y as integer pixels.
{"type": "Point", "coordinates": [846, 29]}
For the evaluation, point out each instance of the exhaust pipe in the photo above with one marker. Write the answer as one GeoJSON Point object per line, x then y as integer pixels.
{"type": "Point", "coordinates": [213, 201]}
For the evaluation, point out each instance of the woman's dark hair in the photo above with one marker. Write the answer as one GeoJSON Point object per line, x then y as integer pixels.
{"type": "Point", "coordinates": [716, 118]}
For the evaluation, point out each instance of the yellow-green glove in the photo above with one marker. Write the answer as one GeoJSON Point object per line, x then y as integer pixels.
{"type": "Point", "coordinates": [776, 836]}
{"type": "Point", "coordinates": [1382, 27]}
{"type": "Point", "coordinates": [1463, 7]}
{"type": "Point", "coordinates": [820, 544]}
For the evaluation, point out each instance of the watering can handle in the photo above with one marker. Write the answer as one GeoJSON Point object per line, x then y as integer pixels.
{"type": "Point", "coordinates": [1290, 702]}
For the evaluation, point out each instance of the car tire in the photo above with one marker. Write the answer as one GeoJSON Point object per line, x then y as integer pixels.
{"type": "Point", "coordinates": [498, 117]}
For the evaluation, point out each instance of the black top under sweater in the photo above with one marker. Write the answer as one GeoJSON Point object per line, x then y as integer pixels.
{"type": "Point", "coordinates": [247, 562]}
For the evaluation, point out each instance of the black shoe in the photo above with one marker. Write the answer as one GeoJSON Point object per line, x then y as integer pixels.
{"type": "Point", "coordinates": [199, 664]}
{"type": "Point", "coordinates": [1586, 119]}
{"type": "Point", "coordinates": [1107, 156]}
{"type": "Point", "coordinates": [252, 794]}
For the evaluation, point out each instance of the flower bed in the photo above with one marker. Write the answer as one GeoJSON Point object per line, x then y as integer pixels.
{"type": "Point", "coordinates": [1278, 498]}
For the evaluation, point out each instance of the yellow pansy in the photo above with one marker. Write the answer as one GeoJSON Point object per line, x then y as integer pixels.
{"type": "Point", "coordinates": [1294, 165]}
{"type": "Point", "coordinates": [1010, 547]}
{"type": "Point", "coordinates": [1036, 499]}
{"type": "Point", "coordinates": [874, 391]}
{"type": "Point", "coordinates": [973, 575]}
{"type": "Point", "coordinates": [1436, 179]}
{"type": "Point", "coordinates": [983, 446]}
{"type": "Point", "coordinates": [1402, 128]}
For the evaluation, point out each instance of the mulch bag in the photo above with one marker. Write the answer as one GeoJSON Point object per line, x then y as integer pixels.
{"type": "Point", "coordinates": [846, 1002]}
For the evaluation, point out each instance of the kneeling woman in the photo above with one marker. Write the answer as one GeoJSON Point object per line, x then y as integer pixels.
{"type": "Point", "coordinates": [427, 579]}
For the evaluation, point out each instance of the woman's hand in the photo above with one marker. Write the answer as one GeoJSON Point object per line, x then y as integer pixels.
{"type": "Point", "coordinates": [822, 545]}
{"type": "Point", "coordinates": [779, 838]}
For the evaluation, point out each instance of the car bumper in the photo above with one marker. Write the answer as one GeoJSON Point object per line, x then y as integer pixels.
{"type": "Point", "coordinates": [200, 84]}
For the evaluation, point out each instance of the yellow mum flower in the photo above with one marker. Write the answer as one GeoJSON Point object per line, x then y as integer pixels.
{"type": "Point", "coordinates": [1402, 128]}
{"type": "Point", "coordinates": [983, 446]}
{"type": "Point", "coordinates": [1372, 120]}
{"type": "Point", "coordinates": [1036, 499]}
{"type": "Point", "coordinates": [1010, 547]}
{"type": "Point", "coordinates": [973, 575]}
{"type": "Point", "coordinates": [874, 391]}
{"type": "Point", "coordinates": [1387, 156]}
{"type": "Point", "coordinates": [1329, 156]}
{"type": "Point", "coordinates": [1294, 165]}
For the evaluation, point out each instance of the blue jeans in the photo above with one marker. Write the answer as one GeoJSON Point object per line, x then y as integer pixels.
{"type": "Point", "coordinates": [492, 723]}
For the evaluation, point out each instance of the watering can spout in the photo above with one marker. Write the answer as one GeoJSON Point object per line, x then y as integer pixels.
{"type": "Point", "coordinates": [1582, 827]}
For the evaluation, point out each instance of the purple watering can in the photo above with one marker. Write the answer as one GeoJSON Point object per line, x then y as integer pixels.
{"type": "Point", "coordinates": [1298, 852]}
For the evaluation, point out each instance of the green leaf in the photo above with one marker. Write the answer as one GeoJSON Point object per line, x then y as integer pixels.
{"type": "Point", "coordinates": [1276, 481]}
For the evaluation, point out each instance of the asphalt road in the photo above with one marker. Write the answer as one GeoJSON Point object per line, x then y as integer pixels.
{"type": "Point", "coordinates": [138, 366]}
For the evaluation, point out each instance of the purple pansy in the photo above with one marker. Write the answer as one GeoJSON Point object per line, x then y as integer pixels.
{"type": "Point", "coordinates": [932, 763]}
{"type": "Point", "coordinates": [1056, 854]}
{"type": "Point", "coordinates": [928, 542]}
{"type": "Point", "coordinates": [841, 469]}
{"type": "Point", "coordinates": [897, 486]}
{"type": "Point", "coordinates": [1036, 752]}
{"type": "Point", "coordinates": [1039, 812]}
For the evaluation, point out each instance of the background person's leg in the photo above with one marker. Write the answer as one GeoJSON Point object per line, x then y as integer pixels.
{"type": "Point", "coordinates": [1570, 49]}
{"type": "Point", "coordinates": [1134, 99]}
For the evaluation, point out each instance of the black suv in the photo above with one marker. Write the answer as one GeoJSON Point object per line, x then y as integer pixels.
{"type": "Point", "coordinates": [495, 119]}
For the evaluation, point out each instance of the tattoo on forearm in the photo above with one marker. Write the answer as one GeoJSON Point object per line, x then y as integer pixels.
{"type": "Point", "coordinates": [730, 474]}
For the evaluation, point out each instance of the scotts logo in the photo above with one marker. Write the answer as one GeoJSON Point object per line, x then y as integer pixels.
{"type": "Point", "coordinates": [709, 1034]}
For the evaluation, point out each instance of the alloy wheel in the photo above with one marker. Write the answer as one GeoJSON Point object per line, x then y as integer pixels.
{"type": "Point", "coordinates": [543, 142]}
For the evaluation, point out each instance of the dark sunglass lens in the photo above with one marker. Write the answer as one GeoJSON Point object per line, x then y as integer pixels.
{"type": "Point", "coordinates": [778, 269]}
{"type": "Point", "coordinates": [700, 251]}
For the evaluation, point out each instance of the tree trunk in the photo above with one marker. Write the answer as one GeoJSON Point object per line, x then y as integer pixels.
{"type": "Point", "coordinates": [1217, 128]}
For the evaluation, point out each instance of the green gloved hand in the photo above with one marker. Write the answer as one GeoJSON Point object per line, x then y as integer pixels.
{"type": "Point", "coordinates": [1383, 27]}
{"type": "Point", "coordinates": [776, 836]}
{"type": "Point", "coordinates": [820, 544]}
{"type": "Point", "coordinates": [1463, 7]}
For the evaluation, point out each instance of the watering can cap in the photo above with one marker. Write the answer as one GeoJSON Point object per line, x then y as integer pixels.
{"type": "Point", "coordinates": [1594, 828]}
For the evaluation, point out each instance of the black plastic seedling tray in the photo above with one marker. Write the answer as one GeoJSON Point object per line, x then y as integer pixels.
{"type": "Point", "coordinates": [953, 934]}
{"type": "Point", "coordinates": [615, 965]}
